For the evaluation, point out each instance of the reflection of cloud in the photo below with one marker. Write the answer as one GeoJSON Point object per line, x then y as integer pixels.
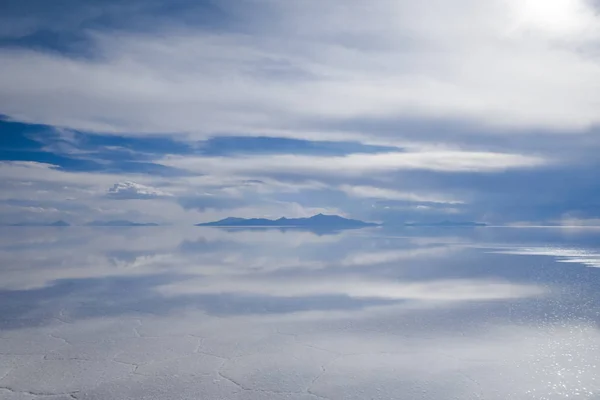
{"type": "Point", "coordinates": [563, 255]}
{"type": "Point", "coordinates": [36, 258]}
{"type": "Point", "coordinates": [93, 266]}
{"type": "Point", "coordinates": [380, 257]}
{"type": "Point", "coordinates": [289, 238]}
{"type": "Point", "coordinates": [356, 287]}
{"type": "Point", "coordinates": [257, 263]}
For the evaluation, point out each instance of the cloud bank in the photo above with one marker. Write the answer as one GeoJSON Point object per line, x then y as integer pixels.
{"type": "Point", "coordinates": [486, 110]}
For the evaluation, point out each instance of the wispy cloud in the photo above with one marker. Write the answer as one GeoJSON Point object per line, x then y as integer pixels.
{"type": "Point", "coordinates": [370, 192]}
{"type": "Point", "coordinates": [449, 161]}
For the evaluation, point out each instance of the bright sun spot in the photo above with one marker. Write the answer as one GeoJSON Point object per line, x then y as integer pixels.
{"type": "Point", "coordinates": [554, 17]}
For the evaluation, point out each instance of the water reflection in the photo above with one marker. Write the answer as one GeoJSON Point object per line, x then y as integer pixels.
{"type": "Point", "coordinates": [203, 312]}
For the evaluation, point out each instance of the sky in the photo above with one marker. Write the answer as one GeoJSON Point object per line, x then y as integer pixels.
{"type": "Point", "coordinates": [181, 111]}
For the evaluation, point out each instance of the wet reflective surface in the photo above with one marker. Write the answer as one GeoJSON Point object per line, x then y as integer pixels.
{"type": "Point", "coordinates": [207, 313]}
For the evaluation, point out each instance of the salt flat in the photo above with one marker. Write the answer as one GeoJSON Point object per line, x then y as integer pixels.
{"type": "Point", "coordinates": [162, 313]}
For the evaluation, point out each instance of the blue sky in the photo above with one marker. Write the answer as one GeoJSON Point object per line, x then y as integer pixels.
{"type": "Point", "coordinates": [189, 111]}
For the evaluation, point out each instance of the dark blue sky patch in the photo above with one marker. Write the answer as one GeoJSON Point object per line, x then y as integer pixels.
{"type": "Point", "coordinates": [72, 44]}
{"type": "Point", "coordinates": [151, 145]}
{"type": "Point", "coordinates": [145, 168]}
{"type": "Point", "coordinates": [233, 145]}
{"type": "Point", "coordinates": [77, 151]}
{"type": "Point", "coordinates": [18, 136]}
{"type": "Point", "coordinates": [65, 163]}
{"type": "Point", "coordinates": [64, 26]}
{"type": "Point", "coordinates": [520, 195]}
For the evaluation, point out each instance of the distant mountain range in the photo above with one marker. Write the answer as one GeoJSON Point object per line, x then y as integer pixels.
{"type": "Point", "coordinates": [316, 221]}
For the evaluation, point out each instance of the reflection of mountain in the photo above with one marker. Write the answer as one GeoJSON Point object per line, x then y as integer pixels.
{"type": "Point", "coordinates": [317, 230]}
{"type": "Point", "coordinates": [119, 223]}
{"type": "Point", "coordinates": [60, 223]}
{"type": "Point", "coordinates": [315, 223]}
{"type": "Point", "coordinates": [446, 223]}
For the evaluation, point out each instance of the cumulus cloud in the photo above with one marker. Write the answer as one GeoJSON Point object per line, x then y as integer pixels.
{"type": "Point", "coordinates": [132, 190]}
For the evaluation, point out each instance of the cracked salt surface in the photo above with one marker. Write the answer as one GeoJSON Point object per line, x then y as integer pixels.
{"type": "Point", "coordinates": [96, 327]}
{"type": "Point", "coordinates": [62, 376]}
{"type": "Point", "coordinates": [6, 394]}
{"type": "Point", "coordinates": [291, 371]}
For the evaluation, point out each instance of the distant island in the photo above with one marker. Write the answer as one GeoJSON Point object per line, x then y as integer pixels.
{"type": "Point", "coordinates": [447, 224]}
{"type": "Point", "coordinates": [119, 223]}
{"type": "Point", "coordinates": [316, 221]}
{"type": "Point", "coordinates": [60, 223]}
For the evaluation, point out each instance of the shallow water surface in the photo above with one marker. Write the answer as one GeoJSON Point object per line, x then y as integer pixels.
{"type": "Point", "coordinates": [207, 313]}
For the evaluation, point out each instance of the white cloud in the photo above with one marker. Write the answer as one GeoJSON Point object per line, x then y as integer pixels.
{"type": "Point", "coordinates": [82, 196]}
{"type": "Point", "coordinates": [371, 192]}
{"type": "Point", "coordinates": [42, 173]}
{"type": "Point", "coordinates": [341, 70]}
{"type": "Point", "coordinates": [562, 19]}
{"type": "Point", "coordinates": [356, 164]}
{"type": "Point", "coordinates": [132, 190]}
{"type": "Point", "coordinates": [480, 61]}
{"type": "Point", "coordinates": [570, 221]}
